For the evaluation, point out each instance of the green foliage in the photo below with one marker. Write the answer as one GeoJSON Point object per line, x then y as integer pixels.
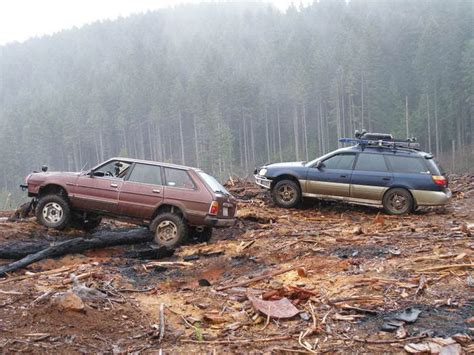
{"type": "Point", "coordinates": [229, 86]}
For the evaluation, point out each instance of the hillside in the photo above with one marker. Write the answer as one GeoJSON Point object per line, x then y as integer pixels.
{"type": "Point", "coordinates": [227, 87]}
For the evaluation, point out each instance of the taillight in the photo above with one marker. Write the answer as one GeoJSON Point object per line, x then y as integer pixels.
{"type": "Point", "coordinates": [440, 180]}
{"type": "Point", "coordinates": [214, 209]}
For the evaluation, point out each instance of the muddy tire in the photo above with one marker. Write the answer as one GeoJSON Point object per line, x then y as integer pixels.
{"type": "Point", "coordinates": [170, 230]}
{"type": "Point", "coordinates": [286, 194]}
{"type": "Point", "coordinates": [53, 211]}
{"type": "Point", "coordinates": [398, 201]}
{"type": "Point", "coordinates": [204, 236]}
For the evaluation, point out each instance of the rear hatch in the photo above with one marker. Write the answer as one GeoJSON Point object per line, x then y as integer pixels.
{"type": "Point", "coordinates": [226, 205]}
{"type": "Point", "coordinates": [439, 175]}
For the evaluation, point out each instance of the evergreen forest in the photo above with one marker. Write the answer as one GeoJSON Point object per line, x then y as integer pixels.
{"type": "Point", "coordinates": [230, 86]}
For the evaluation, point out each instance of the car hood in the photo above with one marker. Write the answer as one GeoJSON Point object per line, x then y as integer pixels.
{"type": "Point", "coordinates": [49, 174]}
{"type": "Point", "coordinates": [291, 164]}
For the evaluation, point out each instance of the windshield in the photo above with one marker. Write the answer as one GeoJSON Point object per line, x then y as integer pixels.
{"type": "Point", "coordinates": [213, 183]}
{"type": "Point", "coordinates": [312, 162]}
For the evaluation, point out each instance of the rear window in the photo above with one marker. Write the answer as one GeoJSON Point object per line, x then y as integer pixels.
{"type": "Point", "coordinates": [213, 183]}
{"type": "Point", "coordinates": [178, 178]}
{"type": "Point", "coordinates": [435, 167]}
{"type": "Point", "coordinates": [371, 162]}
{"type": "Point", "coordinates": [406, 164]}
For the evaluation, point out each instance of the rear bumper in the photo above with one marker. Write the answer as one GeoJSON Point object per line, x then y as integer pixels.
{"type": "Point", "coordinates": [219, 222]}
{"type": "Point", "coordinates": [432, 198]}
{"type": "Point", "coordinates": [263, 181]}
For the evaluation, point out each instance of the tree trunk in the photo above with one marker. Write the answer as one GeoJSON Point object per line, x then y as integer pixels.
{"type": "Point", "coordinates": [362, 123]}
{"type": "Point", "coordinates": [181, 138]}
{"type": "Point", "coordinates": [196, 142]}
{"type": "Point", "coordinates": [305, 132]}
{"type": "Point", "coordinates": [429, 121]}
{"type": "Point", "coordinates": [279, 132]}
{"type": "Point", "coordinates": [436, 122]}
{"type": "Point", "coordinates": [31, 254]}
{"type": "Point", "coordinates": [295, 131]}
{"type": "Point", "coordinates": [267, 135]}
{"type": "Point", "coordinates": [246, 148]}
{"type": "Point", "coordinates": [406, 117]}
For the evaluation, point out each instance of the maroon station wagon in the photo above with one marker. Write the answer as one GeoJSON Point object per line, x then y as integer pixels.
{"type": "Point", "coordinates": [176, 202]}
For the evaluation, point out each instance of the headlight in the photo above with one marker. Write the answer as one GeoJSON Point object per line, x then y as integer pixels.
{"type": "Point", "coordinates": [262, 172]}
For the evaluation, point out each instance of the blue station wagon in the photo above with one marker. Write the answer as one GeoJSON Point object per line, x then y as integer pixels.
{"type": "Point", "coordinates": [377, 171]}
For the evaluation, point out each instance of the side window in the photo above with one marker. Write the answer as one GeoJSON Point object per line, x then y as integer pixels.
{"type": "Point", "coordinates": [178, 178]}
{"type": "Point", "coordinates": [401, 164]}
{"type": "Point", "coordinates": [371, 162]}
{"type": "Point", "coordinates": [115, 168]}
{"type": "Point", "coordinates": [340, 161]}
{"type": "Point", "coordinates": [146, 174]}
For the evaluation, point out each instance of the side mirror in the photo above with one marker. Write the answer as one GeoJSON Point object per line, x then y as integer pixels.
{"type": "Point", "coordinates": [319, 165]}
{"type": "Point", "coordinates": [44, 168]}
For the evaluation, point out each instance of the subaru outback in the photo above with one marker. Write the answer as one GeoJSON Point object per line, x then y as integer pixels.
{"type": "Point", "coordinates": [377, 171]}
{"type": "Point", "coordinates": [176, 202]}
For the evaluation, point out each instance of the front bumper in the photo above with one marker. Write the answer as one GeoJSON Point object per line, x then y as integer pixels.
{"type": "Point", "coordinates": [432, 198]}
{"type": "Point", "coordinates": [263, 181]}
{"type": "Point", "coordinates": [219, 222]}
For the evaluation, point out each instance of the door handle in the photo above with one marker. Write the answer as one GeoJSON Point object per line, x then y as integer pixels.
{"type": "Point", "coordinates": [156, 191]}
{"type": "Point", "coordinates": [113, 185]}
{"type": "Point", "coordinates": [386, 179]}
{"type": "Point", "coordinates": [343, 176]}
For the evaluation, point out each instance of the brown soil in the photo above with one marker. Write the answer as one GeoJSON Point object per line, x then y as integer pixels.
{"type": "Point", "coordinates": [360, 268]}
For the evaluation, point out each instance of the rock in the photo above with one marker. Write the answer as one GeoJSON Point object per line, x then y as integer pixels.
{"type": "Point", "coordinates": [214, 319]}
{"type": "Point", "coordinates": [409, 315]}
{"type": "Point", "coordinates": [391, 325]}
{"type": "Point", "coordinates": [305, 316]}
{"type": "Point", "coordinates": [241, 316]}
{"type": "Point", "coordinates": [69, 302]}
{"type": "Point", "coordinates": [357, 230]}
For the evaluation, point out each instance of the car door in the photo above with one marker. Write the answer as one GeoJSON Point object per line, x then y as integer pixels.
{"type": "Point", "coordinates": [370, 178]}
{"type": "Point", "coordinates": [331, 177]}
{"type": "Point", "coordinates": [141, 192]}
{"type": "Point", "coordinates": [99, 189]}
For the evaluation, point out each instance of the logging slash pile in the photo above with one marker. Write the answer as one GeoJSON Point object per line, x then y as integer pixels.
{"type": "Point", "coordinates": [326, 277]}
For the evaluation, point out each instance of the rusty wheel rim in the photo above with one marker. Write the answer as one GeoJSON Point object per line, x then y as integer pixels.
{"type": "Point", "coordinates": [398, 202]}
{"type": "Point", "coordinates": [166, 232]}
{"type": "Point", "coordinates": [286, 193]}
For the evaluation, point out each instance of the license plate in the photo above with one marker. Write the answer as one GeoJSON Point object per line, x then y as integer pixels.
{"type": "Point", "coordinates": [225, 211]}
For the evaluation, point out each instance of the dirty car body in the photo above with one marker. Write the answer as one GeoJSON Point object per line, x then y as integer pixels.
{"type": "Point", "coordinates": [395, 178]}
{"type": "Point", "coordinates": [138, 191]}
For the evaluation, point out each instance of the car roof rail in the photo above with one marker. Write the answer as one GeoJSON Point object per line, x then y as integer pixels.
{"type": "Point", "coordinates": [381, 140]}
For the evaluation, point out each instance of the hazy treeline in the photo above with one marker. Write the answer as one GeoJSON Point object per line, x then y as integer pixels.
{"type": "Point", "coordinates": [227, 87]}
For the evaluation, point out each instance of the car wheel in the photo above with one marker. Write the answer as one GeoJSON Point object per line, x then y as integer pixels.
{"type": "Point", "coordinates": [170, 230]}
{"type": "Point", "coordinates": [397, 201]}
{"type": "Point", "coordinates": [53, 211]}
{"type": "Point", "coordinates": [286, 193]}
{"type": "Point", "coordinates": [202, 236]}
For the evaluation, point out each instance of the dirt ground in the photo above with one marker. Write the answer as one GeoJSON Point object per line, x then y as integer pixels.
{"type": "Point", "coordinates": [350, 271]}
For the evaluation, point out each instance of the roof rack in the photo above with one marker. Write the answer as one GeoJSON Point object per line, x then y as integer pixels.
{"type": "Point", "coordinates": [381, 140]}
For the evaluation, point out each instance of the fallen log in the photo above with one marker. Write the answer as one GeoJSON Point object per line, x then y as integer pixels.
{"type": "Point", "coordinates": [78, 245]}
{"type": "Point", "coordinates": [18, 250]}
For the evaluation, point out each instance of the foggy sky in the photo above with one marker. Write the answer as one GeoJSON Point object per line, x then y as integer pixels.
{"type": "Point", "coordinates": [23, 19]}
